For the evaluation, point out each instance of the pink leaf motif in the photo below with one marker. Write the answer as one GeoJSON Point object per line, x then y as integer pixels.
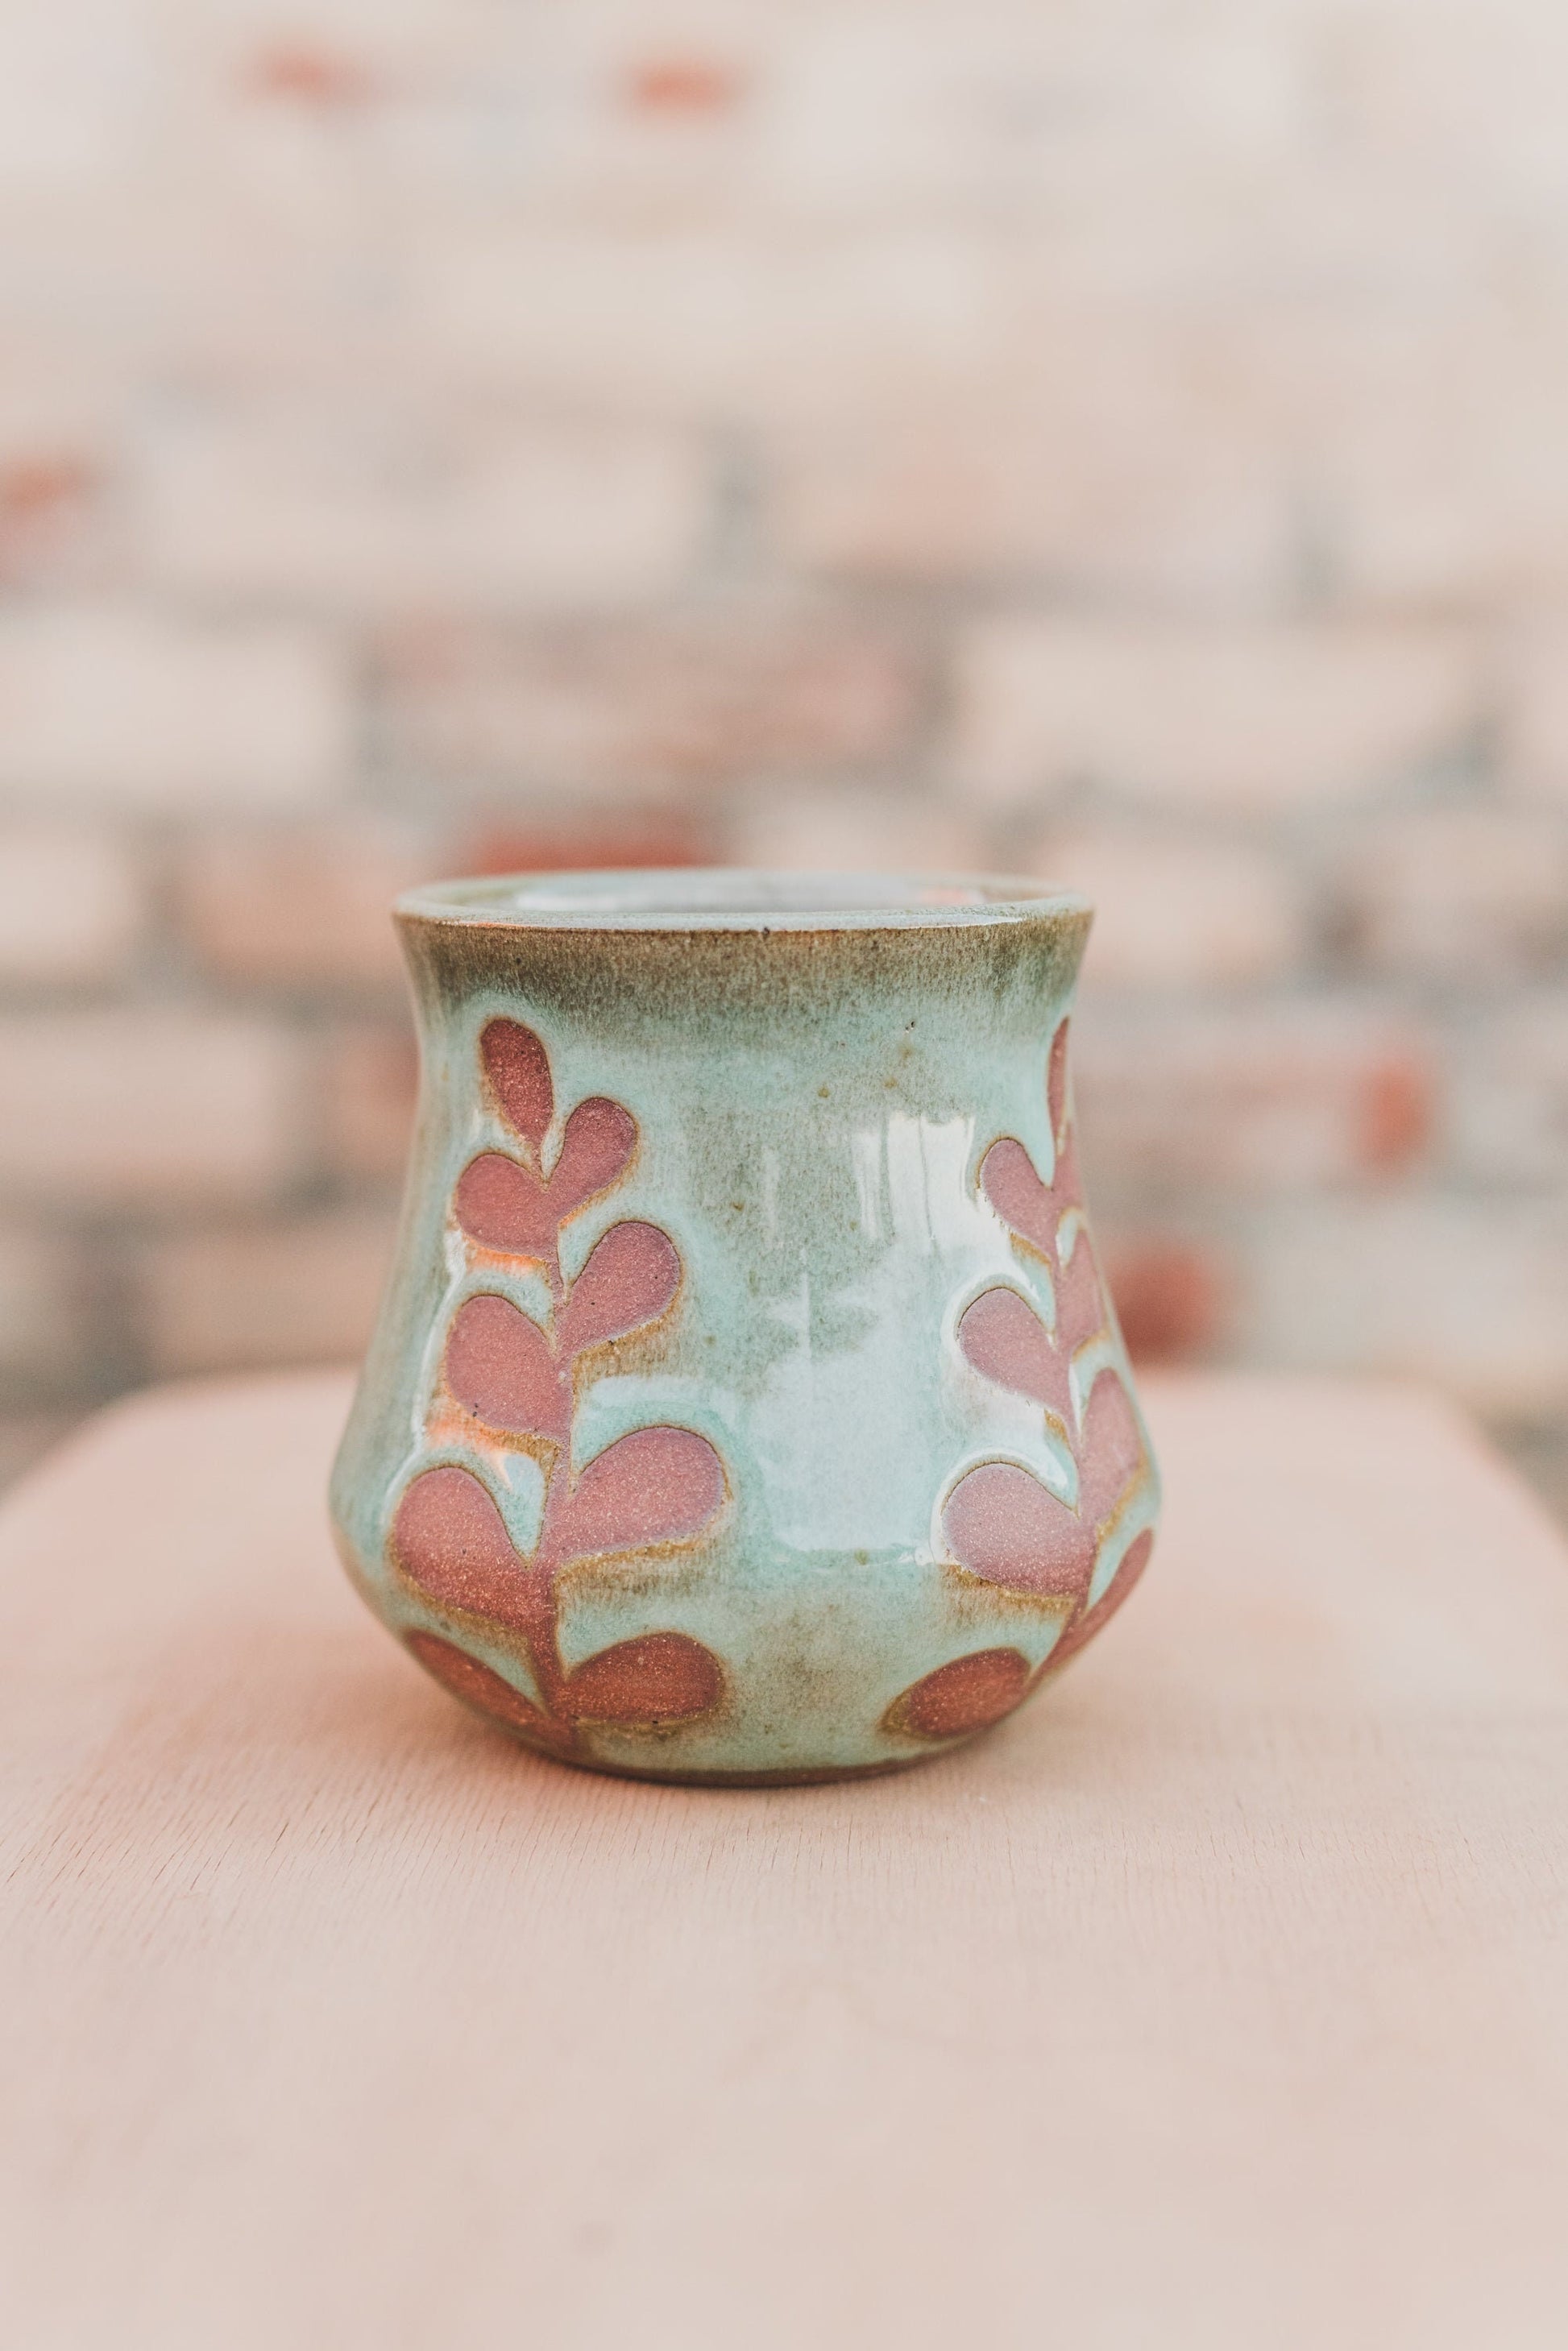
{"type": "Point", "coordinates": [478, 1687]}
{"type": "Point", "coordinates": [596, 1149]}
{"type": "Point", "coordinates": [1005, 1340]}
{"type": "Point", "coordinates": [499, 1364]}
{"type": "Point", "coordinates": [1083, 1628]}
{"type": "Point", "coordinates": [449, 1537]}
{"type": "Point", "coordinates": [1003, 1525]}
{"type": "Point", "coordinates": [657, 1486]}
{"type": "Point", "coordinates": [502, 1204]}
{"type": "Point", "coordinates": [628, 1280]}
{"type": "Point", "coordinates": [518, 1067]}
{"type": "Point", "coordinates": [1080, 1301]}
{"type": "Point", "coordinates": [1010, 1182]}
{"type": "Point", "coordinates": [657, 1678]}
{"type": "Point", "coordinates": [1111, 1453]}
{"type": "Point", "coordinates": [969, 1694]}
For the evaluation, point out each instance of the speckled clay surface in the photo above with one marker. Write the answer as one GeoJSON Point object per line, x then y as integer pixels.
{"type": "Point", "coordinates": [745, 1400]}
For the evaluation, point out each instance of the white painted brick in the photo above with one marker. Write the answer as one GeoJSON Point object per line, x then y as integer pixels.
{"type": "Point", "coordinates": [1175, 913]}
{"type": "Point", "coordinates": [1470, 895]}
{"type": "Point", "coordinates": [124, 708]}
{"type": "Point", "coordinates": [1233, 717]}
{"type": "Point", "coordinates": [1432, 1288]}
{"type": "Point", "coordinates": [301, 907]}
{"type": "Point", "coordinates": [71, 904]}
{"type": "Point", "coordinates": [299, 1292]}
{"type": "Point", "coordinates": [147, 1108]}
{"type": "Point", "coordinates": [856, 831]}
{"type": "Point", "coordinates": [374, 512]}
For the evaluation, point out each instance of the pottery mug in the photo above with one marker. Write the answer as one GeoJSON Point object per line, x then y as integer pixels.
{"type": "Point", "coordinates": [745, 1402]}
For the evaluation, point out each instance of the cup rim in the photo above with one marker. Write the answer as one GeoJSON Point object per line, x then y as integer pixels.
{"type": "Point", "coordinates": [738, 898]}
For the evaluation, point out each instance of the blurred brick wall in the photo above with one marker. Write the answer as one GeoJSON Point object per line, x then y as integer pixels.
{"type": "Point", "coordinates": [1118, 440]}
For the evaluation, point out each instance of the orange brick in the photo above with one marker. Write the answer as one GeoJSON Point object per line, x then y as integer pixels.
{"type": "Point", "coordinates": [1247, 1100]}
{"type": "Point", "coordinates": [1168, 1297]}
{"type": "Point", "coordinates": [300, 1291]}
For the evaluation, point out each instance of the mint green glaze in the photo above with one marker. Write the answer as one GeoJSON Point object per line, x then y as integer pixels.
{"type": "Point", "coordinates": [815, 1091]}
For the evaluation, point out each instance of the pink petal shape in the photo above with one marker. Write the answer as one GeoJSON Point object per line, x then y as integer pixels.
{"type": "Point", "coordinates": [478, 1687]}
{"type": "Point", "coordinates": [1056, 1085]}
{"type": "Point", "coordinates": [628, 1280]}
{"type": "Point", "coordinates": [656, 1486]}
{"type": "Point", "coordinates": [1110, 1451]}
{"type": "Point", "coordinates": [596, 1149]}
{"type": "Point", "coordinates": [502, 1204]}
{"type": "Point", "coordinates": [518, 1067]}
{"type": "Point", "coordinates": [1083, 1628]}
{"type": "Point", "coordinates": [1079, 1299]}
{"type": "Point", "coordinates": [1002, 1524]}
{"type": "Point", "coordinates": [449, 1537]}
{"type": "Point", "coordinates": [1005, 1340]}
{"type": "Point", "coordinates": [499, 1364]}
{"type": "Point", "coordinates": [969, 1694]}
{"type": "Point", "coordinates": [658, 1677]}
{"type": "Point", "coordinates": [1010, 1182]}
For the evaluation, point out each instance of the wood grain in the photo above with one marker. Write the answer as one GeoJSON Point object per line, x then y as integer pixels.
{"type": "Point", "coordinates": [1221, 2000]}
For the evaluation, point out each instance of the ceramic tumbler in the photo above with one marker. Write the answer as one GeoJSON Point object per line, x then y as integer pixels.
{"type": "Point", "coordinates": [745, 1402]}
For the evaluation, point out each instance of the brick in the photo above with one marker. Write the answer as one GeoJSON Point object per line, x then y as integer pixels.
{"type": "Point", "coordinates": [688, 313]}
{"type": "Point", "coordinates": [1470, 895]}
{"type": "Point", "coordinates": [303, 907]}
{"type": "Point", "coordinates": [149, 1108]}
{"type": "Point", "coordinates": [1251, 1100]}
{"type": "Point", "coordinates": [299, 1292]}
{"type": "Point", "coordinates": [368, 1086]}
{"type": "Point", "coordinates": [1169, 1297]}
{"type": "Point", "coordinates": [375, 512]}
{"type": "Point", "coordinates": [72, 904]}
{"type": "Point", "coordinates": [1436, 1288]}
{"type": "Point", "coordinates": [646, 713]}
{"type": "Point", "coordinates": [45, 1332]}
{"type": "Point", "coordinates": [573, 843]}
{"type": "Point", "coordinates": [1135, 470]}
{"type": "Point", "coordinates": [54, 522]}
{"type": "Point", "coordinates": [1176, 912]}
{"type": "Point", "coordinates": [1534, 746]}
{"type": "Point", "coordinates": [1436, 444]}
{"type": "Point", "coordinates": [851, 832]}
{"type": "Point", "coordinates": [114, 707]}
{"type": "Point", "coordinates": [1506, 1123]}
{"type": "Point", "coordinates": [1236, 718]}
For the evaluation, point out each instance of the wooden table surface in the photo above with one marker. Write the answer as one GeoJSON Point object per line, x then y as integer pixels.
{"type": "Point", "coordinates": [1221, 2000]}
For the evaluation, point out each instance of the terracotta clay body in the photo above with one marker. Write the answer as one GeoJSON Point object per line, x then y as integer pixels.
{"type": "Point", "coordinates": [745, 1401]}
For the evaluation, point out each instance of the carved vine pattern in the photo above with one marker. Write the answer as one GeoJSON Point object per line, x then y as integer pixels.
{"type": "Point", "coordinates": [518, 1381]}
{"type": "Point", "coordinates": [1002, 1524]}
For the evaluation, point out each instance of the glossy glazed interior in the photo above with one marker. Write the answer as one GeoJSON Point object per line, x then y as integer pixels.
{"type": "Point", "coordinates": [702, 897]}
